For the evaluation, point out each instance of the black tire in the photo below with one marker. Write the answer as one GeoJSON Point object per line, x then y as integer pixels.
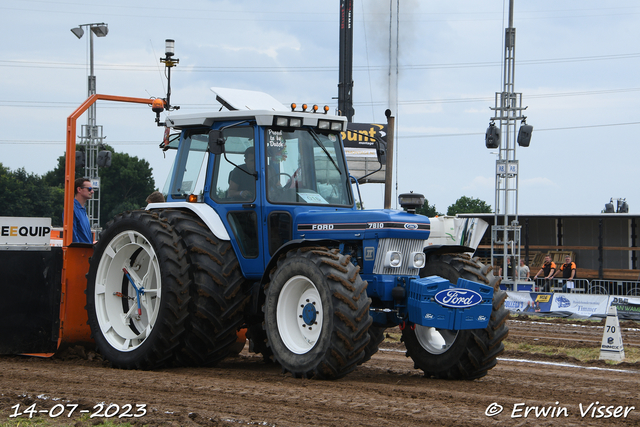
{"type": "Point", "coordinates": [468, 354]}
{"type": "Point", "coordinates": [334, 304]}
{"type": "Point", "coordinates": [217, 295]}
{"type": "Point", "coordinates": [150, 249]}
{"type": "Point", "coordinates": [376, 336]}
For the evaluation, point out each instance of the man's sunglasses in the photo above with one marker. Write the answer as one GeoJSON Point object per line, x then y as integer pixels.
{"type": "Point", "coordinates": [89, 188]}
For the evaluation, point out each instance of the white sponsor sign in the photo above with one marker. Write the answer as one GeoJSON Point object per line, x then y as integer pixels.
{"type": "Point", "coordinates": [24, 232]}
{"type": "Point", "coordinates": [585, 305]}
{"type": "Point", "coordinates": [517, 301]}
{"type": "Point", "coordinates": [580, 304]}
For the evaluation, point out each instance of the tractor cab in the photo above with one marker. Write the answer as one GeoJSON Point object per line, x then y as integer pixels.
{"type": "Point", "coordinates": [257, 170]}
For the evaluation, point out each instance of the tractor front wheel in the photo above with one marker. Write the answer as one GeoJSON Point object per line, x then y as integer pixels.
{"type": "Point", "coordinates": [317, 313]}
{"type": "Point", "coordinates": [465, 354]}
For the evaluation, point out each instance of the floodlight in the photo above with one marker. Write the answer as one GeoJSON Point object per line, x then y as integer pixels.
{"type": "Point", "coordinates": [78, 32]}
{"type": "Point", "coordinates": [100, 30]}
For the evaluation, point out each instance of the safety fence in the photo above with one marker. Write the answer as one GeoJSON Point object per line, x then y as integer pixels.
{"type": "Point", "coordinates": [582, 286]}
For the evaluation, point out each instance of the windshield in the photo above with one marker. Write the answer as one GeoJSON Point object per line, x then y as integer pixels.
{"type": "Point", "coordinates": [190, 166]}
{"type": "Point", "coordinates": [306, 167]}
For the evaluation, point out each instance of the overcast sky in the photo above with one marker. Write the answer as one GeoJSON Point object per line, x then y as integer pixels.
{"type": "Point", "coordinates": [577, 67]}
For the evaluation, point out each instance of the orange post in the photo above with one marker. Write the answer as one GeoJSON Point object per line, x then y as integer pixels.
{"type": "Point", "coordinates": [73, 317]}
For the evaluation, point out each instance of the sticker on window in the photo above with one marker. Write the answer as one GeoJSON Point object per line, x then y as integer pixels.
{"type": "Point", "coordinates": [313, 198]}
{"type": "Point", "coordinates": [275, 138]}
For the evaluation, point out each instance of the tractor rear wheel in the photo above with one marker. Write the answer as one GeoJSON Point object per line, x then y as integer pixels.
{"type": "Point", "coordinates": [217, 293]}
{"type": "Point", "coordinates": [465, 354]}
{"type": "Point", "coordinates": [138, 291]}
{"type": "Point", "coordinates": [317, 313]}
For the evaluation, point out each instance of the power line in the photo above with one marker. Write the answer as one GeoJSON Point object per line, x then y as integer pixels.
{"type": "Point", "coordinates": [306, 69]}
{"type": "Point", "coordinates": [441, 135]}
{"type": "Point", "coordinates": [64, 104]}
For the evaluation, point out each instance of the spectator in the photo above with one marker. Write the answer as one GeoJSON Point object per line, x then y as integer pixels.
{"type": "Point", "coordinates": [523, 271]}
{"type": "Point", "coordinates": [568, 273]}
{"type": "Point", "coordinates": [549, 269]}
{"type": "Point", "coordinates": [155, 197]}
{"type": "Point", "coordinates": [509, 269]}
{"type": "Point", "coordinates": [83, 191]}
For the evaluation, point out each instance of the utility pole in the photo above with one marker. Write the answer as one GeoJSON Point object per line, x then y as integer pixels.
{"type": "Point", "coordinates": [388, 173]}
{"type": "Point", "coordinates": [508, 110]}
{"type": "Point", "coordinates": [345, 82]}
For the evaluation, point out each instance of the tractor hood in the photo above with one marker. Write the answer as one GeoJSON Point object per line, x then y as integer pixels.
{"type": "Point", "coordinates": [361, 224]}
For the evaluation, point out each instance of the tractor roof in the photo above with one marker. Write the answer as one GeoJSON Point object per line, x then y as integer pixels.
{"type": "Point", "coordinates": [248, 105]}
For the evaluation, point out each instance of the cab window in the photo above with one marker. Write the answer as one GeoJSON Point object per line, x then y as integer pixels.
{"type": "Point", "coordinates": [234, 179]}
{"type": "Point", "coordinates": [306, 167]}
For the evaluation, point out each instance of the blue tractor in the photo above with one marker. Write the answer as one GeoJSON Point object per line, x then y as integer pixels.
{"type": "Point", "coordinates": [260, 230]}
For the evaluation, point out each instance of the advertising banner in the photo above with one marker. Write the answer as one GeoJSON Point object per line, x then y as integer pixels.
{"type": "Point", "coordinates": [361, 136]}
{"type": "Point", "coordinates": [584, 305]}
{"type": "Point", "coordinates": [529, 302]}
{"type": "Point", "coordinates": [568, 303]}
{"type": "Point", "coordinates": [360, 147]}
{"type": "Point", "coordinates": [24, 233]}
{"type": "Point", "coordinates": [627, 307]}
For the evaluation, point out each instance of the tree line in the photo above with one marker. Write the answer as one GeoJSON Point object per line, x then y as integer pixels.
{"type": "Point", "coordinates": [463, 205]}
{"type": "Point", "coordinates": [123, 186]}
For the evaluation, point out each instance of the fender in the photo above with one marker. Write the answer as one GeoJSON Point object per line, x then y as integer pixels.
{"type": "Point", "coordinates": [443, 249]}
{"type": "Point", "coordinates": [204, 212]}
{"type": "Point", "coordinates": [257, 299]}
{"type": "Point", "coordinates": [287, 247]}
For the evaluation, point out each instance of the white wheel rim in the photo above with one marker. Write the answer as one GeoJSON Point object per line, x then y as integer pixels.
{"type": "Point", "coordinates": [298, 299]}
{"type": "Point", "coordinates": [435, 341]}
{"type": "Point", "coordinates": [117, 315]}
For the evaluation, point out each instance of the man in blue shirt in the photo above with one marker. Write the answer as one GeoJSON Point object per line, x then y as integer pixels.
{"type": "Point", "coordinates": [81, 227]}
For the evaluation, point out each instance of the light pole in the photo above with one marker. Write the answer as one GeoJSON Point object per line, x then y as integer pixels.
{"type": "Point", "coordinates": [91, 134]}
{"type": "Point", "coordinates": [505, 232]}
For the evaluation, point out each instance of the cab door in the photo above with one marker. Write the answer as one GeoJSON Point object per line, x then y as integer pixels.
{"type": "Point", "coordinates": [235, 193]}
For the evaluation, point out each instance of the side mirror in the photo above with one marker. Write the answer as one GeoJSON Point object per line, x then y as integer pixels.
{"type": "Point", "coordinates": [381, 151]}
{"type": "Point", "coordinates": [216, 142]}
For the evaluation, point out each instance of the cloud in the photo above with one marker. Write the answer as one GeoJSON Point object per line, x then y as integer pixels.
{"type": "Point", "coordinates": [480, 183]}
{"type": "Point", "coordinates": [540, 182]}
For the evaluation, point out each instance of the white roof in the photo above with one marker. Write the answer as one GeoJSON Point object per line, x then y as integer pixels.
{"type": "Point", "coordinates": [238, 99]}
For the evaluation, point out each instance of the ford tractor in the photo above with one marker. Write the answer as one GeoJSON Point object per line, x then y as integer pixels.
{"type": "Point", "coordinates": [260, 230]}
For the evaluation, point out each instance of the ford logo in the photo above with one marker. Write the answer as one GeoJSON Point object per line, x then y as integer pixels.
{"type": "Point", "coordinates": [458, 298]}
{"type": "Point", "coordinates": [411, 226]}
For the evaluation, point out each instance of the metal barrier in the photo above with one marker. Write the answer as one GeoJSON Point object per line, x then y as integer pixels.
{"type": "Point", "coordinates": [583, 286]}
{"type": "Point", "coordinates": [569, 286]}
{"type": "Point", "coordinates": [614, 287]}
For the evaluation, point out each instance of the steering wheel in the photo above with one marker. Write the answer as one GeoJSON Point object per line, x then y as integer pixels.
{"type": "Point", "coordinates": [282, 173]}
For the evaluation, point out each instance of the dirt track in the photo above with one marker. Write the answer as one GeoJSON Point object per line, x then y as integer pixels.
{"type": "Point", "coordinates": [386, 391]}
